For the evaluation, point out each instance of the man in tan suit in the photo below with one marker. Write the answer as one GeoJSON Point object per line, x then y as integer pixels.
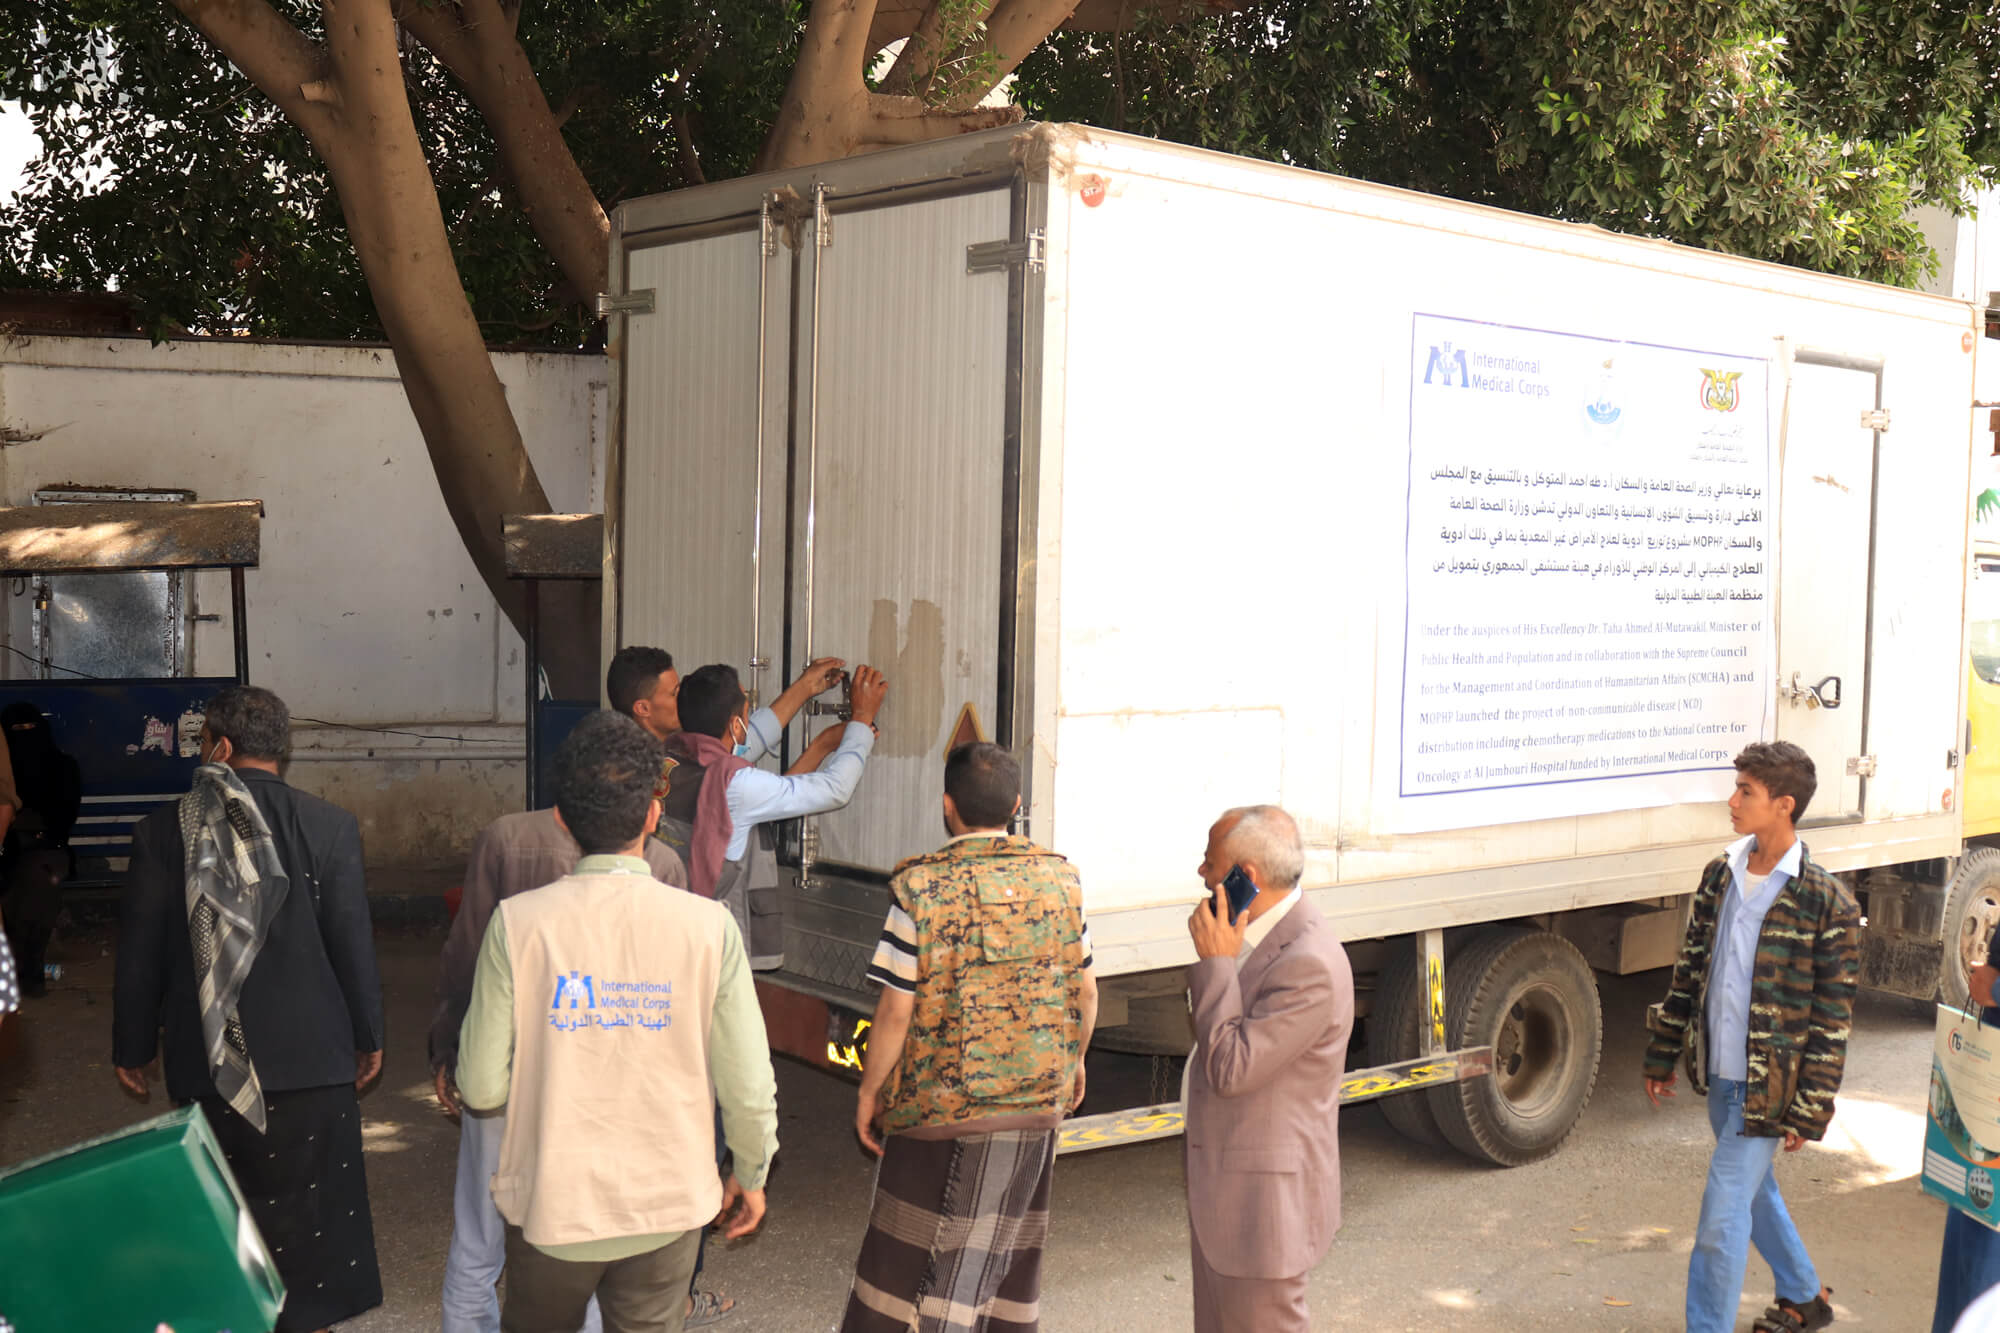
{"type": "Point", "coordinates": [1273, 1003]}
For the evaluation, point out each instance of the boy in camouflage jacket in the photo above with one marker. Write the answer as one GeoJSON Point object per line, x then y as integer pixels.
{"type": "Point", "coordinates": [1759, 1007]}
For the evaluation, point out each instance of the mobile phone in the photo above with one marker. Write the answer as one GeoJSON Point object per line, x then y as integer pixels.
{"type": "Point", "coordinates": [1240, 891]}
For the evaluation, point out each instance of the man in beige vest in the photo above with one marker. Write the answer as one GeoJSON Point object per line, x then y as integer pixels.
{"type": "Point", "coordinates": [602, 1010]}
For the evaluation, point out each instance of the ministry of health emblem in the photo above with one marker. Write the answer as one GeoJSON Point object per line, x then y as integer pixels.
{"type": "Point", "coordinates": [1719, 390]}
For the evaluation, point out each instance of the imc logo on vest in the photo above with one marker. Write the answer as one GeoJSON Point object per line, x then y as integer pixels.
{"type": "Point", "coordinates": [578, 988]}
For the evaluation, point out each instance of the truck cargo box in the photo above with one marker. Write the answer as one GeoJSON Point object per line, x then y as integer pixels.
{"type": "Point", "coordinates": [1479, 541]}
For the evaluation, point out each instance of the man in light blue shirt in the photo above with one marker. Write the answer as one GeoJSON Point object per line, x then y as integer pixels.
{"type": "Point", "coordinates": [1740, 922]}
{"type": "Point", "coordinates": [717, 796]}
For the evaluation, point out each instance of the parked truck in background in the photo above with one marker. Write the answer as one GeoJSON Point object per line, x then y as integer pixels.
{"type": "Point", "coordinates": [1480, 542]}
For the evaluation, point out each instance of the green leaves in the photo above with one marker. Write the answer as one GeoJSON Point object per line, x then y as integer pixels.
{"type": "Point", "coordinates": [167, 176]}
{"type": "Point", "coordinates": [1801, 132]}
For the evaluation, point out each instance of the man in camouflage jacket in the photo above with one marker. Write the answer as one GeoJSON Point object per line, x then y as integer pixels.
{"type": "Point", "coordinates": [975, 1053]}
{"type": "Point", "coordinates": [1759, 1008]}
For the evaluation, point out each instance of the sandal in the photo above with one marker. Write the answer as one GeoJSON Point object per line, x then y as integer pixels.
{"type": "Point", "coordinates": [705, 1308]}
{"type": "Point", "coordinates": [1788, 1317]}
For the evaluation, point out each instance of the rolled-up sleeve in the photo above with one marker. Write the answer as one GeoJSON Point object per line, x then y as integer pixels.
{"type": "Point", "coordinates": [739, 1063]}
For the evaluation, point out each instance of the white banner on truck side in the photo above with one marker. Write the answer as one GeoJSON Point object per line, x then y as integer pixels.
{"type": "Point", "coordinates": [1589, 574]}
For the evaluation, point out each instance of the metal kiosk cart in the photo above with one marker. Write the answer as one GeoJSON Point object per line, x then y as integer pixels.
{"type": "Point", "coordinates": [136, 738]}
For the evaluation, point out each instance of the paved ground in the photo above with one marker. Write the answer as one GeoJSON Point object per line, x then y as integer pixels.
{"type": "Point", "coordinates": [1596, 1238]}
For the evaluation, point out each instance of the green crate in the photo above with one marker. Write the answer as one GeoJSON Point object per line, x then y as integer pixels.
{"type": "Point", "coordinates": [136, 1229]}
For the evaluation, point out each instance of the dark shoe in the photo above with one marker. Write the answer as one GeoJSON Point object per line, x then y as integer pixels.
{"type": "Point", "coordinates": [1789, 1317]}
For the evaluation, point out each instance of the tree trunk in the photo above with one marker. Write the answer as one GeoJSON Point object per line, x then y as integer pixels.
{"type": "Point", "coordinates": [348, 99]}
{"type": "Point", "coordinates": [390, 203]}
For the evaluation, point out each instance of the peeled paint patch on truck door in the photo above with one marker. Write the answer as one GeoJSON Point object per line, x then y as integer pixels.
{"type": "Point", "coordinates": [911, 722]}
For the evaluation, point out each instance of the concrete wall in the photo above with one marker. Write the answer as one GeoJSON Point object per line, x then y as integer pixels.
{"type": "Point", "coordinates": [365, 614]}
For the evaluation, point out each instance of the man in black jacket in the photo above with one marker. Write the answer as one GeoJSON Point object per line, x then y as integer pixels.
{"type": "Point", "coordinates": [244, 934]}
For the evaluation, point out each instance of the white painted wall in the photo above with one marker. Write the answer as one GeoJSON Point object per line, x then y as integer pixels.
{"type": "Point", "coordinates": [366, 612]}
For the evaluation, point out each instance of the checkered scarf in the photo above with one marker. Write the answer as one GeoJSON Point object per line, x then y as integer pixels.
{"type": "Point", "coordinates": [235, 886]}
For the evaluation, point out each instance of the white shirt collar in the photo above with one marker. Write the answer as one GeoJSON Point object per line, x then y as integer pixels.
{"type": "Point", "coordinates": [1788, 864]}
{"type": "Point", "coordinates": [1265, 924]}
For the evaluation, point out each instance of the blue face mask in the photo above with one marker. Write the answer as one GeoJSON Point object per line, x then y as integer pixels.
{"type": "Point", "coordinates": [742, 748]}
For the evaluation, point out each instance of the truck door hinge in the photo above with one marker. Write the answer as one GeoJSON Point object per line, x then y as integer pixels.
{"type": "Point", "coordinates": [767, 227]}
{"type": "Point", "coordinates": [1861, 766]}
{"type": "Point", "coordinates": [822, 216]}
{"type": "Point", "coordinates": [1875, 418]}
{"type": "Point", "coordinates": [991, 256]}
{"type": "Point", "coordinates": [625, 303]}
{"type": "Point", "coordinates": [1951, 759]}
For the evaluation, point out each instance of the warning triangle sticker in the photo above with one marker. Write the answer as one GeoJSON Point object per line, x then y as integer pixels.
{"type": "Point", "coordinates": [966, 730]}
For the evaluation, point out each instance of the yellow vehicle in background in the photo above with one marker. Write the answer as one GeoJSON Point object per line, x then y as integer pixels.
{"type": "Point", "coordinates": [1972, 907]}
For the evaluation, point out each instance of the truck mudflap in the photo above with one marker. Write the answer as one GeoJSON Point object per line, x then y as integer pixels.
{"type": "Point", "coordinates": [1116, 1128]}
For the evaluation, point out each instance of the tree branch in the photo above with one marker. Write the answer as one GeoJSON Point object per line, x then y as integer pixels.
{"type": "Point", "coordinates": [476, 41]}
{"type": "Point", "coordinates": [906, 120]}
{"type": "Point", "coordinates": [1014, 30]}
{"type": "Point", "coordinates": [691, 170]}
{"type": "Point", "coordinates": [438, 28]}
{"type": "Point", "coordinates": [270, 52]}
{"type": "Point", "coordinates": [924, 51]}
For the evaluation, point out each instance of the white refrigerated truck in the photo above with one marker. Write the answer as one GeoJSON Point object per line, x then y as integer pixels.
{"type": "Point", "coordinates": [1480, 542]}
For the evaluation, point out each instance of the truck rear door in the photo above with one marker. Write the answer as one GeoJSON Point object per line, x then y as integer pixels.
{"type": "Point", "coordinates": [696, 405]}
{"type": "Point", "coordinates": [1826, 545]}
{"type": "Point", "coordinates": [901, 558]}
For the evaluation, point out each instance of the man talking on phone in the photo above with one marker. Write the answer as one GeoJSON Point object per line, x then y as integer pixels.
{"type": "Point", "coordinates": [1273, 1003]}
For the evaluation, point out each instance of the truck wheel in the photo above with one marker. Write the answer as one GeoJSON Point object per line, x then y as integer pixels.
{"type": "Point", "coordinates": [1971, 909]}
{"type": "Point", "coordinates": [1530, 996]}
{"type": "Point", "coordinates": [1395, 1034]}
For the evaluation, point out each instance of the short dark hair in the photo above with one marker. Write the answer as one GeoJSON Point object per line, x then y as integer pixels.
{"type": "Point", "coordinates": [984, 782]}
{"type": "Point", "coordinates": [252, 719]}
{"type": "Point", "coordinates": [710, 697]}
{"type": "Point", "coordinates": [604, 774]}
{"type": "Point", "coordinates": [1783, 769]}
{"type": "Point", "coordinates": [635, 672]}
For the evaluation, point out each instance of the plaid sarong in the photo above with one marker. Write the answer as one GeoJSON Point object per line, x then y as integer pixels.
{"type": "Point", "coordinates": [955, 1238]}
{"type": "Point", "coordinates": [235, 886]}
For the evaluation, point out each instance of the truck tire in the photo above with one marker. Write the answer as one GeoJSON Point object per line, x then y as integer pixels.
{"type": "Point", "coordinates": [1395, 1034]}
{"type": "Point", "coordinates": [1530, 996]}
{"type": "Point", "coordinates": [1971, 909]}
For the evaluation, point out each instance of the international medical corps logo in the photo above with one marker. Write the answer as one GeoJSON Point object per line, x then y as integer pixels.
{"type": "Point", "coordinates": [577, 988]}
{"type": "Point", "coordinates": [584, 1000]}
{"type": "Point", "coordinates": [1447, 366]}
{"type": "Point", "coordinates": [1720, 391]}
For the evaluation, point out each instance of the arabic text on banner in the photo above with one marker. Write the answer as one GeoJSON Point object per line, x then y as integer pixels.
{"type": "Point", "coordinates": [1589, 574]}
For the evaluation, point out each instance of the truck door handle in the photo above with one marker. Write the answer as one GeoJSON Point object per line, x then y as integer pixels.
{"type": "Point", "coordinates": [1826, 694]}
